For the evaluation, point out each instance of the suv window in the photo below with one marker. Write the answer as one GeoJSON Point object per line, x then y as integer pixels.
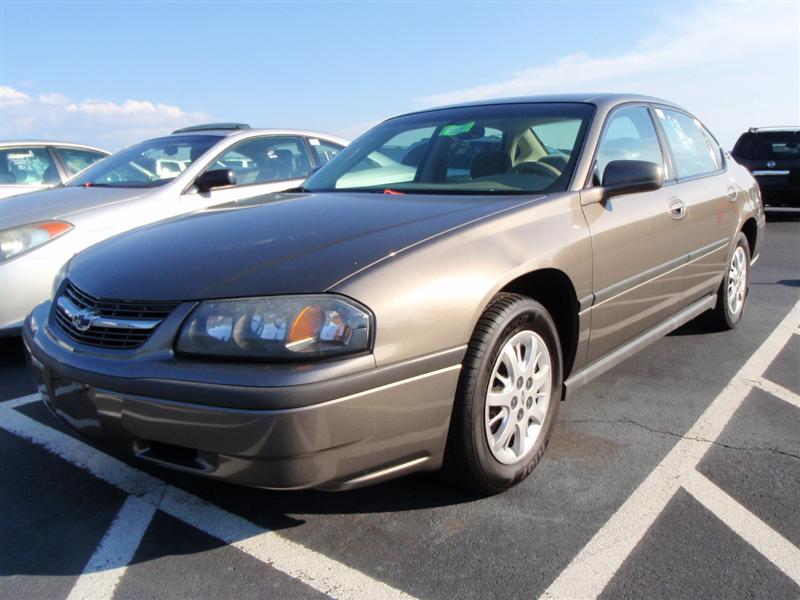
{"type": "Point", "coordinates": [766, 145]}
{"type": "Point", "coordinates": [27, 166]}
{"type": "Point", "coordinates": [266, 159]}
{"type": "Point", "coordinates": [77, 159]}
{"type": "Point", "coordinates": [630, 135]}
{"type": "Point", "coordinates": [324, 150]}
{"type": "Point", "coordinates": [692, 150]}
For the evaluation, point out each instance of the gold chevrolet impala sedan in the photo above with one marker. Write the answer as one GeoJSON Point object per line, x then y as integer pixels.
{"type": "Point", "coordinates": [424, 301]}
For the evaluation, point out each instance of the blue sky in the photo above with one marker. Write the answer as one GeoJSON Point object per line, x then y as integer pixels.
{"type": "Point", "coordinates": [113, 73]}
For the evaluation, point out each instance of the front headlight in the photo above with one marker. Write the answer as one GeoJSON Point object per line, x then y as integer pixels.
{"type": "Point", "coordinates": [18, 240]}
{"type": "Point", "coordinates": [277, 328]}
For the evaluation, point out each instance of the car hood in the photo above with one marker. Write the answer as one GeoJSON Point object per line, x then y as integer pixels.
{"type": "Point", "coordinates": [276, 244]}
{"type": "Point", "coordinates": [60, 203]}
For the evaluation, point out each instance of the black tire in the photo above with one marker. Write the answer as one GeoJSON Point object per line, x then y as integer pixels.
{"type": "Point", "coordinates": [721, 318]}
{"type": "Point", "coordinates": [469, 462]}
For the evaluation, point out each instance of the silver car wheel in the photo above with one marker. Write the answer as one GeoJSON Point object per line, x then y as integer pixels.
{"type": "Point", "coordinates": [737, 281]}
{"type": "Point", "coordinates": [518, 397]}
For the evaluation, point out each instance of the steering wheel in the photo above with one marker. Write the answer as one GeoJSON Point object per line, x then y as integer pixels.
{"type": "Point", "coordinates": [536, 168]}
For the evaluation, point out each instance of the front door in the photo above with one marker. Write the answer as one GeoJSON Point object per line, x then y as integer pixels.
{"type": "Point", "coordinates": [261, 165]}
{"type": "Point", "coordinates": [639, 240]}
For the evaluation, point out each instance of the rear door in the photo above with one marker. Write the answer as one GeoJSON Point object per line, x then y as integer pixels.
{"type": "Point", "coordinates": [710, 195]}
{"type": "Point", "coordinates": [261, 165]}
{"type": "Point", "coordinates": [26, 169]}
{"type": "Point", "coordinates": [638, 240]}
{"type": "Point", "coordinates": [75, 160]}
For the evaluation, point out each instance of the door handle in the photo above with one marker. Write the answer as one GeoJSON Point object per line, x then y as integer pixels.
{"type": "Point", "coordinates": [732, 194]}
{"type": "Point", "coordinates": [677, 209]}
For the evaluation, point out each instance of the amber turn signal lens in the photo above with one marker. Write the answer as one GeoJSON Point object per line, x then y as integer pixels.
{"type": "Point", "coordinates": [306, 326]}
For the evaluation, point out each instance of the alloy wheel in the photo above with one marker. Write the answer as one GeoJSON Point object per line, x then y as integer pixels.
{"type": "Point", "coordinates": [518, 397]}
{"type": "Point", "coordinates": [737, 281]}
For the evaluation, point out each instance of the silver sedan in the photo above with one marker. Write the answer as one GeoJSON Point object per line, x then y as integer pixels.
{"type": "Point", "coordinates": [190, 169]}
{"type": "Point", "coordinates": [33, 165]}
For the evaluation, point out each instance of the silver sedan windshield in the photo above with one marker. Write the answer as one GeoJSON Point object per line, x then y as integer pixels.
{"type": "Point", "coordinates": [149, 164]}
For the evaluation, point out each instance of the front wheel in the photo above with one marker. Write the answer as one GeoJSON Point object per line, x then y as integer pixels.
{"type": "Point", "coordinates": [507, 397]}
{"type": "Point", "coordinates": [732, 293]}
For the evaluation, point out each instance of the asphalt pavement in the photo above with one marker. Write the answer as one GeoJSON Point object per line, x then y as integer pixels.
{"type": "Point", "coordinates": [676, 474]}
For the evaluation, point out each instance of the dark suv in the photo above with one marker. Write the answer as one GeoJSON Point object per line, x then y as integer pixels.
{"type": "Point", "coordinates": [773, 156]}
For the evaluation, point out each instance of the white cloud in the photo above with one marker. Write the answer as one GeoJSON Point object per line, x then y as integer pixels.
{"type": "Point", "coordinates": [99, 122]}
{"type": "Point", "coordinates": [734, 65]}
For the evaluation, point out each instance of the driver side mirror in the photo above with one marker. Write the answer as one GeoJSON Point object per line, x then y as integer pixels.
{"type": "Point", "coordinates": [631, 176]}
{"type": "Point", "coordinates": [214, 179]}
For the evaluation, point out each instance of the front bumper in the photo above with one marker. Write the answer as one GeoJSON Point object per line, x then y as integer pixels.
{"type": "Point", "coordinates": [336, 433]}
{"type": "Point", "coordinates": [776, 198]}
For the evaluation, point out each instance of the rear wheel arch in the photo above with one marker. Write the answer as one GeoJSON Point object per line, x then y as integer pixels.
{"type": "Point", "coordinates": [750, 231]}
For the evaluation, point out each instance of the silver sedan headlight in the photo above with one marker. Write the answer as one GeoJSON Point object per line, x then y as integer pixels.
{"type": "Point", "coordinates": [19, 240]}
{"type": "Point", "coordinates": [277, 328]}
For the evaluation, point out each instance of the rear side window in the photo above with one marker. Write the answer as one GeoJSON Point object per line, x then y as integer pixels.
{"type": "Point", "coordinates": [766, 145]}
{"type": "Point", "coordinates": [27, 166]}
{"type": "Point", "coordinates": [693, 151]}
{"type": "Point", "coordinates": [76, 159]}
{"type": "Point", "coordinates": [629, 135]}
{"type": "Point", "coordinates": [324, 150]}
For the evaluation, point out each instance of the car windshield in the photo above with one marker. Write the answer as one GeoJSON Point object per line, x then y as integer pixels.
{"type": "Point", "coordinates": [491, 149]}
{"type": "Point", "coordinates": [149, 164]}
{"type": "Point", "coordinates": [764, 145]}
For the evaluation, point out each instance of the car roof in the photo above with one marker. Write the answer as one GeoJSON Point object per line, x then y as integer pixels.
{"type": "Point", "coordinates": [247, 133]}
{"type": "Point", "coordinates": [12, 143]}
{"type": "Point", "coordinates": [602, 100]}
{"type": "Point", "coordinates": [789, 128]}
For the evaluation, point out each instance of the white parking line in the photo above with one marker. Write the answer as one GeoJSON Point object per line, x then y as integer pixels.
{"type": "Point", "coordinates": [107, 565]}
{"type": "Point", "coordinates": [776, 548]}
{"type": "Point", "coordinates": [314, 569]}
{"type": "Point", "coordinates": [594, 566]}
{"type": "Point", "coordinates": [778, 391]}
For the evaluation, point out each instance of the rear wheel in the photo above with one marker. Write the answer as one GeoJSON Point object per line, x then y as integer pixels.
{"type": "Point", "coordinates": [732, 294]}
{"type": "Point", "coordinates": [507, 398]}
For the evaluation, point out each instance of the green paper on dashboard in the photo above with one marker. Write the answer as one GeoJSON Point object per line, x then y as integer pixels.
{"type": "Point", "coordinates": [456, 129]}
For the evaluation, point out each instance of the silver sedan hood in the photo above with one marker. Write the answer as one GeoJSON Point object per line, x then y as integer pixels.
{"type": "Point", "coordinates": [60, 203]}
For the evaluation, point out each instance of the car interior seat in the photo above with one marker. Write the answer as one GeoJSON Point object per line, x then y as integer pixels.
{"type": "Point", "coordinates": [50, 176]}
{"type": "Point", "coordinates": [6, 176]}
{"type": "Point", "coordinates": [495, 162]}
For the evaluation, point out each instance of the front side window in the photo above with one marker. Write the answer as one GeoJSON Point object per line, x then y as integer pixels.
{"type": "Point", "coordinates": [76, 159]}
{"type": "Point", "coordinates": [150, 164]}
{"type": "Point", "coordinates": [27, 166]}
{"type": "Point", "coordinates": [691, 148]}
{"type": "Point", "coordinates": [267, 159]}
{"type": "Point", "coordinates": [490, 149]}
{"type": "Point", "coordinates": [629, 135]}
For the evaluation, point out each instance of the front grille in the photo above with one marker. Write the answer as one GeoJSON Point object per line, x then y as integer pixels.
{"type": "Point", "coordinates": [118, 318]}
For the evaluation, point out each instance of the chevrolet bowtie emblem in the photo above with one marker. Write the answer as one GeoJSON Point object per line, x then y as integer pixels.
{"type": "Point", "coordinates": [82, 320]}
